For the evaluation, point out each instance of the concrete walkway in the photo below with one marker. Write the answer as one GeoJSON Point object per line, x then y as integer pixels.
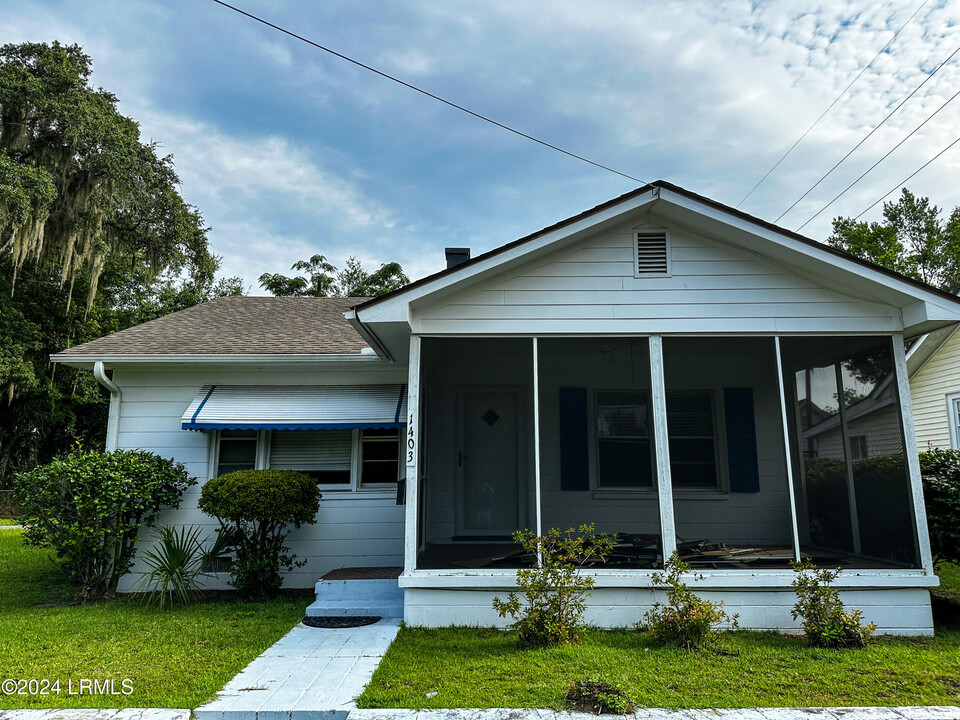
{"type": "Point", "coordinates": [309, 674]}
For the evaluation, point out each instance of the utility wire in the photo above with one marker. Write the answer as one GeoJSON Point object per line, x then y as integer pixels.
{"type": "Point", "coordinates": [429, 94]}
{"type": "Point", "coordinates": [869, 134]}
{"type": "Point", "coordinates": [888, 153]}
{"type": "Point", "coordinates": [824, 113]}
{"type": "Point", "coordinates": [907, 179]}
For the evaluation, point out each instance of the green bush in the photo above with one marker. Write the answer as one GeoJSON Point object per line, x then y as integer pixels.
{"type": "Point", "coordinates": [686, 620]}
{"type": "Point", "coordinates": [89, 507]}
{"type": "Point", "coordinates": [254, 508]}
{"type": "Point", "coordinates": [554, 590]}
{"type": "Point", "coordinates": [941, 495]}
{"type": "Point", "coordinates": [825, 621]}
{"type": "Point", "coordinates": [176, 563]}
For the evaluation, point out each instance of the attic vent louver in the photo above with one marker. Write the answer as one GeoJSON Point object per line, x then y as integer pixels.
{"type": "Point", "coordinates": [652, 255]}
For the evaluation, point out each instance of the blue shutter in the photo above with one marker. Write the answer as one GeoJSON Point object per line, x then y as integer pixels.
{"type": "Point", "coordinates": [574, 465]}
{"type": "Point", "coordinates": [741, 440]}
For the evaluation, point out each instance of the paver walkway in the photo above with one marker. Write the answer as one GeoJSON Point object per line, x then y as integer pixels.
{"type": "Point", "coordinates": [310, 673]}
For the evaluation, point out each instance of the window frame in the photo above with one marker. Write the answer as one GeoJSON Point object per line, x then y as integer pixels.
{"type": "Point", "coordinates": [354, 486]}
{"type": "Point", "coordinates": [358, 464]}
{"type": "Point", "coordinates": [953, 419]}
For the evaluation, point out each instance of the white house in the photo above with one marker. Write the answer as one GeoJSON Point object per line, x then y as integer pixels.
{"type": "Point", "coordinates": [933, 365]}
{"type": "Point", "coordinates": [666, 367]}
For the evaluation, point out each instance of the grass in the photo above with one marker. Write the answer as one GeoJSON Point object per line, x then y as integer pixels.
{"type": "Point", "coordinates": [178, 658]}
{"type": "Point", "coordinates": [6, 521]}
{"type": "Point", "coordinates": [949, 582]}
{"type": "Point", "coordinates": [473, 667]}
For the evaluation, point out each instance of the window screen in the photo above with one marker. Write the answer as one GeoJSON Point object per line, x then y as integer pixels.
{"type": "Point", "coordinates": [623, 438]}
{"type": "Point", "coordinates": [693, 461]}
{"type": "Point", "coordinates": [238, 451]}
{"type": "Point", "coordinates": [322, 454]}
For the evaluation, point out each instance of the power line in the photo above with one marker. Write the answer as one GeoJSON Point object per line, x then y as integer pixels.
{"type": "Point", "coordinates": [869, 134]}
{"type": "Point", "coordinates": [907, 179]}
{"type": "Point", "coordinates": [836, 100]}
{"type": "Point", "coordinates": [429, 94]}
{"type": "Point", "coordinates": [888, 154]}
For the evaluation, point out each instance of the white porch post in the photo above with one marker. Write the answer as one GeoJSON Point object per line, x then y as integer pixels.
{"type": "Point", "coordinates": [662, 447]}
{"type": "Point", "coordinates": [786, 452]}
{"type": "Point", "coordinates": [412, 450]}
{"type": "Point", "coordinates": [536, 434]}
{"type": "Point", "coordinates": [910, 451]}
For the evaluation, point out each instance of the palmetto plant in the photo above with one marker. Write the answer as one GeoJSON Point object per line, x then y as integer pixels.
{"type": "Point", "coordinates": [176, 564]}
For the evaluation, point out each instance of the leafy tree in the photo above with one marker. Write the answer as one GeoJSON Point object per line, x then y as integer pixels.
{"type": "Point", "coordinates": [912, 239]}
{"type": "Point", "coordinates": [85, 209]}
{"type": "Point", "coordinates": [77, 186]}
{"type": "Point", "coordinates": [324, 280]}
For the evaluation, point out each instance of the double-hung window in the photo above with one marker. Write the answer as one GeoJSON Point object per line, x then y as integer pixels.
{"type": "Point", "coordinates": [336, 459]}
{"type": "Point", "coordinates": [690, 428]}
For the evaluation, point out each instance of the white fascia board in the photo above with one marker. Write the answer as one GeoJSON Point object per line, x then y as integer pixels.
{"type": "Point", "coordinates": [886, 286]}
{"type": "Point", "coordinates": [397, 309]}
{"type": "Point", "coordinates": [232, 359]}
{"type": "Point", "coordinates": [926, 347]}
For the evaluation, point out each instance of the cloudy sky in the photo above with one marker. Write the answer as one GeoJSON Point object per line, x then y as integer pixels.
{"type": "Point", "coordinates": [289, 151]}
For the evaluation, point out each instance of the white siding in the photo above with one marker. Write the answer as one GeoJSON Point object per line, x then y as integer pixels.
{"type": "Point", "coordinates": [929, 389]}
{"type": "Point", "coordinates": [592, 289]}
{"type": "Point", "coordinates": [353, 528]}
{"type": "Point", "coordinates": [896, 611]}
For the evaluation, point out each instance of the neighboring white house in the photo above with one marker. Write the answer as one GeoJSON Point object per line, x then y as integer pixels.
{"type": "Point", "coordinates": [666, 367]}
{"type": "Point", "coordinates": [933, 365]}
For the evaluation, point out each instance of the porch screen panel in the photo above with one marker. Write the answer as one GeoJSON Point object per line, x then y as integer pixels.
{"type": "Point", "coordinates": [476, 482]}
{"type": "Point", "coordinates": [853, 492]}
{"type": "Point", "coordinates": [611, 427]}
{"type": "Point", "coordinates": [731, 498]}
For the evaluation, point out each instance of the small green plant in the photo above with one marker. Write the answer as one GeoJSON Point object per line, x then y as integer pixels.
{"type": "Point", "coordinates": [254, 509]}
{"type": "Point", "coordinates": [598, 696]}
{"type": "Point", "coordinates": [686, 620]}
{"type": "Point", "coordinates": [940, 470]}
{"type": "Point", "coordinates": [554, 590]}
{"type": "Point", "coordinates": [825, 621]}
{"type": "Point", "coordinates": [174, 566]}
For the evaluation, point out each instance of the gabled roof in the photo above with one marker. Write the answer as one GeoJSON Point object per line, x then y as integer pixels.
{"type": "Point", "coordinates": [926, 347]}
{"type": "Point", "coordinates": [275, 326]}
{"type": "Point", "coordinates": [679, 204]}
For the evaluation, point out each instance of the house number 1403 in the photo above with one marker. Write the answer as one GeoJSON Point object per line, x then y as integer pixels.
{"type": "Point", "coordinates": [411, 442]}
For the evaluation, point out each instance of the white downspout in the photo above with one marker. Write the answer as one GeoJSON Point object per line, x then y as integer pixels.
{"type": "Point", "coordinates": [113, 419]}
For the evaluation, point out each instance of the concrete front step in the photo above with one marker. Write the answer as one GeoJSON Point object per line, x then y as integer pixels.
{"type": "Point", "coordinates": [364, 597]}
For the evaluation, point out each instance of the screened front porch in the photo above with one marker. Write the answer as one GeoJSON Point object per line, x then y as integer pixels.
{"type": "Point", "coordinates": [737, 452]}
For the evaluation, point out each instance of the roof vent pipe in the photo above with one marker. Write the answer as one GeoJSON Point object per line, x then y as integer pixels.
{"type": "Point", "coordinates": [456, 256]}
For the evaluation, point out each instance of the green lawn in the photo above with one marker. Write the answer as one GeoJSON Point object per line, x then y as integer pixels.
{"type": "Point", "coordinates": [949, 581]}
{"type": "Point", "coordinates": [6, 521]}
{"type": "Point", "coordinates": [177, 658]}
{"type": "Point", "coordinates": [471, 667]}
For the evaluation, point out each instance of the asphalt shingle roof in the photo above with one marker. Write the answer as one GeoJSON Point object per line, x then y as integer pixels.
{"type": "Point", "coordinates": [238, 326]}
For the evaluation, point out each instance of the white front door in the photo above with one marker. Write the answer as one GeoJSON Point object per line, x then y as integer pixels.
{"type": "Point", "coordinates": [489, 500]}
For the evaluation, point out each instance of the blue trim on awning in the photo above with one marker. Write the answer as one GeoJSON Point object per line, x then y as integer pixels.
{"type": "Point", "coordinates": [403, 392]}
{"type": "Point", "coordinates": [203, 402]}
{"type": "Point", "coordinates": [293, 426]}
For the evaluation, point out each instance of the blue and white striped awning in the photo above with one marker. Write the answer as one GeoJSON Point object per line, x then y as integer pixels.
{"type": "Point", "coordinates": [296, 407]}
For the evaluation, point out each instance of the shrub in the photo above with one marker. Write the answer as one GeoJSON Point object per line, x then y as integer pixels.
{"type": "Point", "coordinates": [89, 507]}
{"type": "Point", "coordinates": [176, 564]}
{"type": "Point", "coordinates": [941, 494]}
{"type": "Point", "coordinates": [254, 508]}
{"type": "Point", "coordinates": [554, 590]}
{"type": "Point", "coordinates": [825, 621]}
{"type": "Point", "coordinates": [686, 620]}
{"type": "Point", "coordinates": [597, 696]}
